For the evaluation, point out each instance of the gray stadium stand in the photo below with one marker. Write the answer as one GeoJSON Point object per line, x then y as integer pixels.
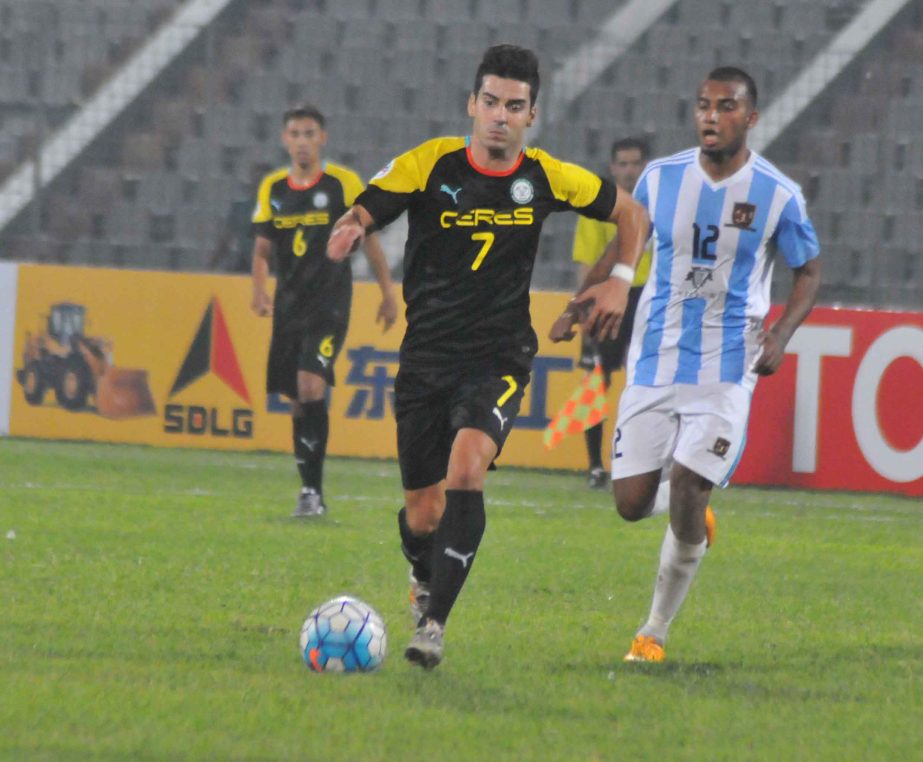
{"type": "Point", "coordinates": [389, 73]}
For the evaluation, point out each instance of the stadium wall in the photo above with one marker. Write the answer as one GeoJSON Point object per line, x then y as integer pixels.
{"type": "Point", "coordinates": [844, 411]}
{"type": "Point", "coordinates": [8, 273]}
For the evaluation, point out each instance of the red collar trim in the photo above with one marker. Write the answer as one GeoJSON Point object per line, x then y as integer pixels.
{"type": "Point", "coordinates": [310, 184]}
{"type": "Point", "coordinates": [490, 172]}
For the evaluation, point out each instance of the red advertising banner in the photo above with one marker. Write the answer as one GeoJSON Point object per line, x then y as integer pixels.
{"type": "Point", "coordinates": [845, 410]}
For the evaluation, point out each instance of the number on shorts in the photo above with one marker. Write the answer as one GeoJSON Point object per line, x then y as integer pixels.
{"type": "Point", "coordinates": [511, 390]}
{"type": "Point", "coordinates": [326, 346]}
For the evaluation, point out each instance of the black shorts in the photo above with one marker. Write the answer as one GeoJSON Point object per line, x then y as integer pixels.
{"type": "Point", "coordinates": [313, 348]}
{"type": "Point", "coordinates": [611, 352]}
{"type": "Point", "coordinates": [431, 406]}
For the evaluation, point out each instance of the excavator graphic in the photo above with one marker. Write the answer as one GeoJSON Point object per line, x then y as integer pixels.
{"type": "Point", "coordinates": [78, 367]}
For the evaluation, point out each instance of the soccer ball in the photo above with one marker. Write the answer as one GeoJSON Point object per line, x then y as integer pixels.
{"type": "Point", "coordinates": [343, 635]}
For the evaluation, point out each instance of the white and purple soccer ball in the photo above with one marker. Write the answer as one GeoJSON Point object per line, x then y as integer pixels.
{"type": "Point", "coordinates": [343, 635]}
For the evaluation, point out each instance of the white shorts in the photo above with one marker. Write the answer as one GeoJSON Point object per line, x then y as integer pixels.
{"type": "Point", "coordinates": [704, 427]}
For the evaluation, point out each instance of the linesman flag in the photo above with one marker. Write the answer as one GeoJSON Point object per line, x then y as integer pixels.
{"type": "Point", "coordinates": [586, 407]}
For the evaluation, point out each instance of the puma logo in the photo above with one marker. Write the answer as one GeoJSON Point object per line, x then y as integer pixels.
{"type": "Point", "coordinates": [453, 193]}
{"type": "Point", "coordinates": [309, 443]}
{"type": "Point", "coordinates": [500, 418]}
{"type": "Point", "coordinates": [324, 361]}
{"type": "Point", "coordinates": [464, 558]}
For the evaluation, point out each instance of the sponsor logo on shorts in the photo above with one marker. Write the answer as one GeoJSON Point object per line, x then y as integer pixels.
{"type": "Point", "coordinates": [720, 447]}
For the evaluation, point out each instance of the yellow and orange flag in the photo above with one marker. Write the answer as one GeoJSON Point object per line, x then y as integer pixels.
{"type": "Point", "coordinates": [586, 407]}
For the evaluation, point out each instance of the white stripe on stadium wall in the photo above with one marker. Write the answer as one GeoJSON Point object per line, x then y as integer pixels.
{"type": "Point", "coordinates": [623, 28]}
{"type": "Point", "coordinates": [107, 104]}
{"type": "Point", "coordinates": [8, 277]}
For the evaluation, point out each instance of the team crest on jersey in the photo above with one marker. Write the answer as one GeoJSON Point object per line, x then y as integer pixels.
{"type": "Point", "coordinates": [742, 216]}
{"type": "Point", "coordinates": [522, 191]}
{"type": "Point", "coordinates": [384, 170]}
{"type": "Point", "coordinates": [321, 200]}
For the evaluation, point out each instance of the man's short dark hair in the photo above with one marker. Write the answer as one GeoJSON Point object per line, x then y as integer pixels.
{"type": "Point", "coordinates": [733, 74]}
{"type": "Point", "coordinates": [510, 62]}
{"type": "Point", "coordinates": [304, 111]}
{"type": "Point", "coordinates": [631, 144]}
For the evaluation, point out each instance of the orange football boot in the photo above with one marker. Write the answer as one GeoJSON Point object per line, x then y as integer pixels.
{"type": "Point", "coordinates": [711, 526]}
{"type": "Point", "coordinates": [646, 648]}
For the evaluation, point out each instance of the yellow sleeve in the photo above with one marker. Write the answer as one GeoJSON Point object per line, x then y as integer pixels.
{"type": "Point", "coordinates": [263, 211]}
{"type": "Point", "coordinates": [352, 185]}
{"type": "Point", "coordinates": [569, 182]}
{"type": "Point", "coordinates": [410, 171]}
{"type": "Point", "coordinates": [590, 239]}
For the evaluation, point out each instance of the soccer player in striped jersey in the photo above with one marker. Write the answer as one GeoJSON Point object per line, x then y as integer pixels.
{"type": "Point", "coordinates": [475, 209]}
{"type": "Point", "coordinates": [718, 213]}
{"type": "Point", "coordinates": [627, 159]}
{"type": "Point", "coordinates": [295, 211]}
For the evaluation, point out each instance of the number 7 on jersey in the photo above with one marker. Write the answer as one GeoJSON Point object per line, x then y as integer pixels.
{"type": "Point", "coordinates": [488, 239]}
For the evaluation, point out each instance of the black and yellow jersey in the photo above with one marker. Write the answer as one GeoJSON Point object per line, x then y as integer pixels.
{"type": "Point", "coordinates": [471, 245]}
{"type": "Point", "coordinates": [298, 220]}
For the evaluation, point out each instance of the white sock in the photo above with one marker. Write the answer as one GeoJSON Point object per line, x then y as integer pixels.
{"type": "Point", "coordinates": [679, 562]}
{"type": "Point", "coordinates": [662, 498]}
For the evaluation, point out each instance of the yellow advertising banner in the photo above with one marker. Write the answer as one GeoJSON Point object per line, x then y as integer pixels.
{"type": "Point", "coordinates": [179, 360]}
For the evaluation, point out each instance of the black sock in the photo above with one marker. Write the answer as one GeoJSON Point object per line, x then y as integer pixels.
{"type": "Point", "coordinates": [417, 548]}
{"type": "Point", "coordinates": [309, 436]}
{"type": "Point", "coordinates": [594, 445]}
{"type": "Point", "coordinates": [456, 542]}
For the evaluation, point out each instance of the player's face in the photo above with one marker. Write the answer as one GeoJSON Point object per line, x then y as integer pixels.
{"type": "Point", "coordinates": [626, 167]}
{"type": "Point", "coordinates": [303, 139]}
{"type": "Point", "coordinates": [723, 114]}
{"type": "Point", "coordinates": [501, 114]}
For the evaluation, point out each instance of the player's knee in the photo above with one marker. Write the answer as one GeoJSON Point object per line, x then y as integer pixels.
{"type": "Point", "coordinates": [311, 388]}
{"type": "Point", "coordinates": [424, 520]}
{"type": "Point", "coordinates": [466, 473]}
{"type": "Point", "coordinates": [630, 505]}
{"type": "Point", "coordinates": [424, 512]}
{"type": "Point", "coordinates": [630, 511]}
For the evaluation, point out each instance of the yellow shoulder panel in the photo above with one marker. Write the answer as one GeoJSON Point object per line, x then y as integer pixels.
{"type": "Point", "coordinates": [410, 171]}
{"type": "Point", "coordinates": [352, 184]}
{"type": "Point", "coordinates": [263, 211]}
{"type": "Point", "coordinates": [569, 182]}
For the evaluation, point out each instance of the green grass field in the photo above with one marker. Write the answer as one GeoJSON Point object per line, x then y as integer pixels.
{"type": "Point", "coordinates": [150, 604]}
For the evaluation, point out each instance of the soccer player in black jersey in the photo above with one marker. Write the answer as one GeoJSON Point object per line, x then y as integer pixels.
{"type": "Point", "coordinates": [475, 209]}
{"type": "Point", "coordinates": [295, 211]}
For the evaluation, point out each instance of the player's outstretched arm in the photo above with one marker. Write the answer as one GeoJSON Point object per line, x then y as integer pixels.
{"type": "Point", "coordinates": [805, 283]}
{"type": "Point", "coordinates": [348, 232]}
{"type": "Point", "coordinates": [260, 301]}
{"type": "Point", "coordinates": [387, 310]}
{"type": "Point", "coordinates": [602, 298]}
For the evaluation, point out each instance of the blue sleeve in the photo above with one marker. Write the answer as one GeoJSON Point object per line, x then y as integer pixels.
{"type": "Point", "coordinates": [642, 196]}
{"type": "Point", "coordinates": [795, 236]}
{"type": "Point", "coordinates": [641, 192]}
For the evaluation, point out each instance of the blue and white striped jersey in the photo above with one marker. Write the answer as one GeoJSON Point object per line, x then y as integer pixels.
{"type": "Point", "coordinates": [703, 306]}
